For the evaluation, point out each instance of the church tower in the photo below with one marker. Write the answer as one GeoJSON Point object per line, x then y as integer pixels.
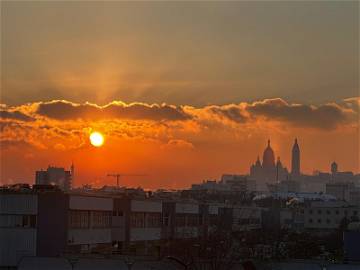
{"type": "Point", "coordinates": [295, 159]}
{"type": "Point", "coordinates": [268, 157]}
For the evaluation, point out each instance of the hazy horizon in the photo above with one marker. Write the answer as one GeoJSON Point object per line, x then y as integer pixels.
{"type": "Point", "coordinates": [181, 91]}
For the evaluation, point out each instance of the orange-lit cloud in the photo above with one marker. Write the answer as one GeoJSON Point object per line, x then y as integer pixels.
{"type": "Point", "coordinates": [176, 144]}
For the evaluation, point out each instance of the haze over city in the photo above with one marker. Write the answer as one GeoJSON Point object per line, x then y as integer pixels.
{"type": "Point", "coordinates": [179, 96]}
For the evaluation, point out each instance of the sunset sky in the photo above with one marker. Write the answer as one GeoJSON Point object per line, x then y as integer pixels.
{"type": "Point", "coordinates": [181, 91]}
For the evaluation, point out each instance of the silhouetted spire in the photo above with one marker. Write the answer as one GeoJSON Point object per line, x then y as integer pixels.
{"type": "Point", "coordinates": [295, 159]}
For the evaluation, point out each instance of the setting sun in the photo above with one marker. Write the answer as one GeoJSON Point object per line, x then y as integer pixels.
{"type": "Point", "coordinates": [96, 139]}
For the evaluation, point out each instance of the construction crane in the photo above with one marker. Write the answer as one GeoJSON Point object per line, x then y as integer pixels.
{"type": "Point", "coordinates": [119, 175]}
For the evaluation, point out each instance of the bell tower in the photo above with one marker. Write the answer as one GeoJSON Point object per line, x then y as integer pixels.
{"type": "Point", "coordinates": [295, 159]}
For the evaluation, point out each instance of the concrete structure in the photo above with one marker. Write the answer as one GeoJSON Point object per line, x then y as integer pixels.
{"type": "Point", "coordinates": [18, 222]}
{"type": "Point", "coordinates": [240, 183]}
{"type": "Point", "coordinates": [181, 220]}
{"type": "Point", "coordinates": [328, 215]}
{"type": "Point", "coordinates": [246, 218]}
{"type": "Point", "coordinates": [340, 190]}
{"type": "Point", "coordinates": [89, 222]}
{"type": "Point", "coordinates": [56, 176]}
{"type": "Point", "coordinates": [228, 182]}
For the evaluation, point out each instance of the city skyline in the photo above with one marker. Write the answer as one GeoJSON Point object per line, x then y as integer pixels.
{"type": "Point", "coordinates": [167, 135]}
{"type": "Point", "coordinates": [270, 162]}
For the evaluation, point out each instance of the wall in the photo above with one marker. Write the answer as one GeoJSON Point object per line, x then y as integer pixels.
{"type": "Point", "coordinates": [187, 208]}
{"type": "Point", "coordinates": [90, 203]}
{"type": "Point", "coordinates": [145, 234]}
{"type": "Point", "coordinates": [17, 239]}
{"type": "Point", "coordinates": [146, 206]}
{"type": "Point", "coordinates": [52, 223]}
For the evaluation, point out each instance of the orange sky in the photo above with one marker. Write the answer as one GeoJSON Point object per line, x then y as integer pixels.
{"type": "Point", "coordinates": [174, 145]}
{"type": "Point", "coordinates": [234, 74]}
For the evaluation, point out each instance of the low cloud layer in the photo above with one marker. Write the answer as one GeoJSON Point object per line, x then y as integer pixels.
{"type": "Point", "coordinates": [15, 115]}
{"type": "Point", "coordinates": [65, 110]}
{"type": "Point", "coordinates": [327, 116]}
{"type": "Point", "coordinates": [57, 122]}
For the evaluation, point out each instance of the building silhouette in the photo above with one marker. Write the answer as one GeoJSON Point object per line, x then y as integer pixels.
{"type": "Point", "coordinates": [268, 171]}
{"type": "Point", "coordinates": [55, 176]}
{"type": "Point", "coordinates": [295, 160]}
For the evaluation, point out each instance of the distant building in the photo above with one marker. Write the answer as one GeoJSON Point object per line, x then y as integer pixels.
{"type": "Point", "coordinates": [354, 195]}
{"type": "Point", "coordinates": [268, 171]}
{"type": "Point", "coordinates": [295, 160]}
{"type": "Point", "coordinates": [55, 176]}
{"type": "Point", "coordinates": [324, 216]}
{"type": "Point", "coordinates": [285, 186]}
{"type": "Point", "coordinates": [240, 183]}
{"type": "Point", "coordinates": [228, 182]}
{"type": "Point", "coordinates": [340, 190]}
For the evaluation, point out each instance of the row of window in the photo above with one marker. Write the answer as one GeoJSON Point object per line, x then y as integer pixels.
{"type": "Point", "coordinates": [83, 219]}
{"type": "Point", "coordinates": [142, 220]}
{"type": "Point", "coordinates": [151, 220]}
{"type": "Point", "coordinates": [17, 221]}
{"type": "Point", "coordinates": [337, 212]}
{"type": "Point", "coordinates": [319, 221]}
{"type": "Point", "coordinates": [102, 219]}
{"type": "Point", "coordinates": [187, 220]}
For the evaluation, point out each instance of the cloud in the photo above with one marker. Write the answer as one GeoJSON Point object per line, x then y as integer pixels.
{"type": "Point", "coordinates": [52, 125]}
{"type": "Point", "coordinates": [232, 112]}
{"type": "Point", "coordinates": [327, 116]}
{"type": "Point", "coordinates": [65, 110]}
{"type": "Point", "coordinates": [177, 143]}
{"type": "Point", "coordinates": [15, 115]}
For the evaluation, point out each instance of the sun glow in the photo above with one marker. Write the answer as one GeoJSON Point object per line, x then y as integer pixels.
{"type": "Point", "coordinates": [96, 139]}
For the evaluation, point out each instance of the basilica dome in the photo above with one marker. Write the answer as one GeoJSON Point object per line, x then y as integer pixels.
{"type": "Point", "coordinates": [268, 157]}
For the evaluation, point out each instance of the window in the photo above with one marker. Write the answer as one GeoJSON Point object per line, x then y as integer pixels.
{"type": "Point", "coordinates": [310, 220]}
{"type": "Point", "coordinates": [118, 213]}
{"type": "Point", "coordinates": [319, 220]}
{"type": "Point", "coordinates": [137, 220]}
{"type": "Point", "coordinates": [337, 212]}
{"type": "Point", "coordinates": [17, 221]}
{"type": "Point", "coordinates": [79, 219]}
{"type": "Point", "coordinates": [355, 213]}
{"type": "Point", "coordinates": [153, 220]}
{"type": "Point", "coordinates": [310, 211]}
{"type": "Point", "coordinates": [328, 221]}
{"type": "Point", "coordinates": [25, 221]}
{"type": "Point", "coordinates": [101, 219]}
{"type": "Point", "coordinates": [319, 212]}
{"type": "Point", "coordinates": [32, 221]}
{"type": "Point", "coordinates": [328, 212]}
{"type": "Point", "coordinates": [166, 219]}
